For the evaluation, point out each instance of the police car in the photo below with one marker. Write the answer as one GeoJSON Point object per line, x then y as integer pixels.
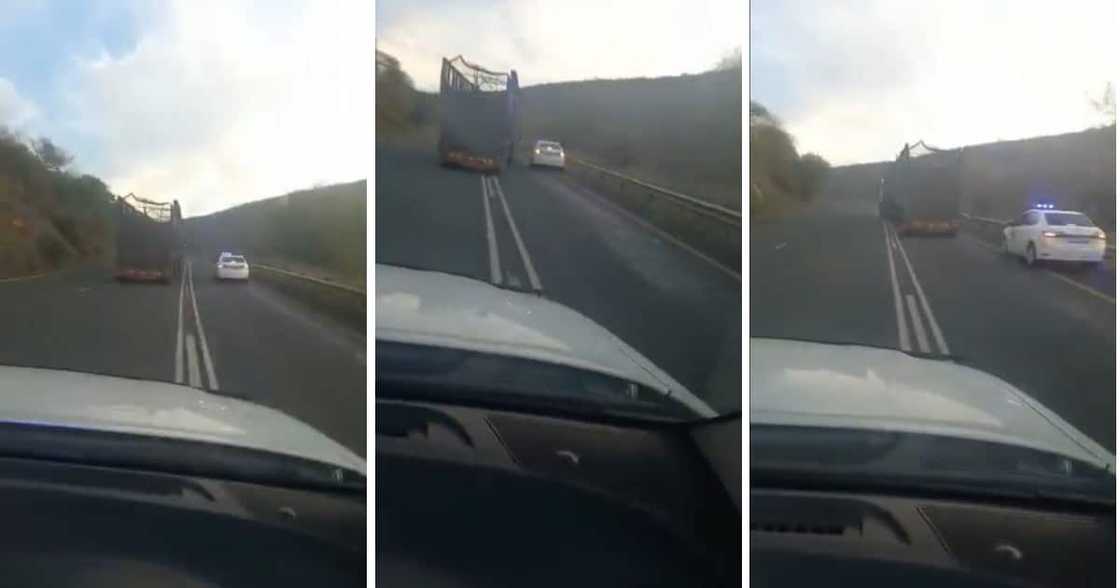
{"type": "Point", "coordinates": [1046, 234]}
{"type": "Point", "coordinates": [231, 266]}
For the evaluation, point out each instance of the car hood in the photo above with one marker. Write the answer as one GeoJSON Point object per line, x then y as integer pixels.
{"type": "Point", "coordinates": [443, 310]}
{"type": "Point", "coordinates": [80, 400]}
{"type": "Point", "coordinates": [823, 385]}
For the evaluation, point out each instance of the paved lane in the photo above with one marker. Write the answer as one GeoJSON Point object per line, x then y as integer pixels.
{"type": "Point", "coordinates": [826, 275]}
{"type": "Point", "coordinates": [674, 308]}
{"type": "Point", "coordinates": [253, 342]}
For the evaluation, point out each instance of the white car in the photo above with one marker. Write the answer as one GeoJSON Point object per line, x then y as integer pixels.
{"type": "Point", "coordinates": [1054, 235]}
{"type": "Point", "coordinates": [548, 153]}
{"type": "Point", "coordinates": [232, 267]}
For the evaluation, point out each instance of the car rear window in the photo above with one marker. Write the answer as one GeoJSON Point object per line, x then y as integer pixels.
{"type": "Point", "coordinates": [1068, 218]}
{"type": "Point", "coordinates": [236, 258]}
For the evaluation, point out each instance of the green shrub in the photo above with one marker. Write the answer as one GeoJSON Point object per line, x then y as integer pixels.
{"type": "Point", "coordinates": [811, 172]}
{"type": "Point", "coordinates": [52, 250]}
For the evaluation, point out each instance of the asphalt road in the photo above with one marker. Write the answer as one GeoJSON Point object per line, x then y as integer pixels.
{"type": "Point", "coordinates": [244, 339]}
{"type": "Point", "coordinates": [826, 275]}
{"type": "Point", "coordinates": [578, 249]}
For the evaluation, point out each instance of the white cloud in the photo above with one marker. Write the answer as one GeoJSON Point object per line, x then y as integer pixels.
{"type": "Point", "coordinates": [219, 105]}
{"type": "Point", "coordinates": [547, 41]}
{"type": "Point", "coordinates": [15, 110]}
{"type": "Point", "coordinates": [952, 72]}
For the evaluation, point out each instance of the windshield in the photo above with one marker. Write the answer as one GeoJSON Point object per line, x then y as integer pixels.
{"type": "Point", "coordinates": [622, 259]}
{"type": "Point", "coordinates": [139, 144]}
{"type": "Point", "coordinates": [894, 283]}
{"type": "Point", "coordinates": [1067, 219]}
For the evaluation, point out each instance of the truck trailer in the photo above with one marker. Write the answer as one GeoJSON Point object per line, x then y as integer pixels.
{"type": "Point", "coordinates": [478, 114]}
{"type": "Point", "coordinates": [149, 240]}
{"type": "Point", "coordinates": [920, 192]}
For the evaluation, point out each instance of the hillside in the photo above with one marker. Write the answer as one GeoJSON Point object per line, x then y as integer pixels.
{"type": "Point", "coordinates": [321, 230]}
{"type": "Point", "coordinates": [49, 217]}
{"type": "Point", "coordinates": [683, 132]}
{"type": "Point", "coordinates": [1076, 170]}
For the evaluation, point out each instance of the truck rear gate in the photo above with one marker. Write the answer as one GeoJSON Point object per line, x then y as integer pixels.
{"type": "Point", "coordinates": [478, 116]}
{"type": "Point", "coordinates": [149, 244]}
{"type": "Point", "coordinates": [921, 191]}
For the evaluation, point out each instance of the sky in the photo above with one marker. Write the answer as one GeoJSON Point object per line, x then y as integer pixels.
{"type": "Point", "coordinates": [855, 80]}
{"type": "Point", "coordinates": [553, 41]}
{"type": "Point", "coordinates": [212, 103]}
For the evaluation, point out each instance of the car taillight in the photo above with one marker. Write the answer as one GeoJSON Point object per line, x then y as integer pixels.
{"type": "Point", "coordinates": [1049, 234]}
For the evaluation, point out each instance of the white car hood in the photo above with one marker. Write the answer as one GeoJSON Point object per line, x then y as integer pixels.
{"type": "Point", "coordinates": [812, 384]}
{"type": "Point", "coordinates": [121, 405]}
{"type": "Point", "coordinates": [433, 308]}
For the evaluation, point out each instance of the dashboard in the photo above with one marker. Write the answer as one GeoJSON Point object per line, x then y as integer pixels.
{"type": "Point", "coordinates": [469, 496]}
{"type": "Point", "coordinates": [800, 538]}
{"type": "Point", "coordinates": [69, 524]}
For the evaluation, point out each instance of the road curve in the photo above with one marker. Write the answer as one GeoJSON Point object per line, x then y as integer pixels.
{"type": "Point", "coordinates": [832, 272]}
{"type": "Point", "coordinates": [244, 339]}
{"type": "Point", "coordinates": [538, 229]}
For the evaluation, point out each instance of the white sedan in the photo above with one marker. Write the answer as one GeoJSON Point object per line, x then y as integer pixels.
{"type": "Point", "coordinates": [548, 153]}
{"type": "Point", "coordinates": [232, 267]}
{"type": "Point", "coordinates": [1054, 235]}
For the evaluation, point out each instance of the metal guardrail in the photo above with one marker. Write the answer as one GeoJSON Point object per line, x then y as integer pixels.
{"type": "Point", "coordinates": [320, 281]}
{"type": "Point", "coordinates": [713, 210]}
{"type": "Point", "coordinates": [1110, 249]}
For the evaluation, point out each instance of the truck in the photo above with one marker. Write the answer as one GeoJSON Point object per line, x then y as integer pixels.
{"type": "Point", "coordinates": [149, 239]}
{"type": "Point", "coordinates": [478, 116]}
{"type": "Point", "coordinates": [920, 192]}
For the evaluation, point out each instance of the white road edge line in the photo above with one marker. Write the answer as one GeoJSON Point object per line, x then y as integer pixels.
{"type": "Point", "coordinates": [202, 335]}
{"type": "Point", "coordinates": [1071, 282]}
{"type": "Point", "coordinates": [491, 240]}
{"type": "Point", "coordinates": [660, 233]}
{"type": "Point", "coordinates": [194, 377]}
{"type": "Point", "coordinates": [919, 330]}
{"type": "Point", "coordinates": [937, 336]}
{"type": "Point", "coordinates": [1079, 285]}
{"type": "Point", "coordinates": [903, 335]}
{"type": "Point", "coordinates": [534, 281]}
{"type": "Point", "coordinates": [179, 329]}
